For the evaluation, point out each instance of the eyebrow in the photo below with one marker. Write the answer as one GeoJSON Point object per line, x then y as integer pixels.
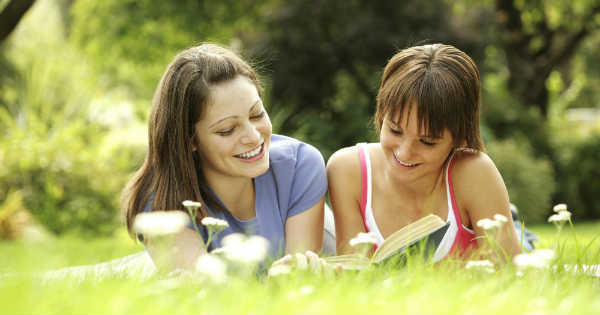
{"type": "Point", "coordinates": [258, 102]}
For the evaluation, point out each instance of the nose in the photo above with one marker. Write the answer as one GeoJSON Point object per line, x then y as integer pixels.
{"type": "Point", "coordinates": [404, 150]}
{"type": "Point", "coordinates": [251, 135]}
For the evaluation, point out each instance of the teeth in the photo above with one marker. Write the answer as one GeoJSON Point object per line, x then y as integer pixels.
{"type": "Point", "coordinates": [250, 154]}
{"type": "Point", "coordinates": [403, 163]}
{"type": "Point", "coordinates": [406, 164]}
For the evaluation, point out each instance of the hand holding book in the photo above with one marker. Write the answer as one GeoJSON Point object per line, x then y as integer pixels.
{"type": "Point", "coordinates": [425, 234]}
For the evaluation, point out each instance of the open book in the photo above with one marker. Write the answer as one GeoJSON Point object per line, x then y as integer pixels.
{"type": "Point", "coordinates": [423, 235]}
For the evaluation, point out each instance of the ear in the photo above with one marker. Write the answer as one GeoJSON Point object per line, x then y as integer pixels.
{"type": "Point", "coordinates": [193, 143]}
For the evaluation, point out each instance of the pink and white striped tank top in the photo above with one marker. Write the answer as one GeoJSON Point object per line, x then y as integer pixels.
{"type": "Point", "coordinates": [458, 238]}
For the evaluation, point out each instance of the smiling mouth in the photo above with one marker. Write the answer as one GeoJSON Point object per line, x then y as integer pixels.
{"type": "Point", "coordinates": [252, 153]}
{"type": "Point", "coordinates": [405, 164]}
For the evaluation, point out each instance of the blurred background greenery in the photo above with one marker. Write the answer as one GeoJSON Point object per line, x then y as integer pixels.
{"type": "Point", "coordinates": [77, 77]}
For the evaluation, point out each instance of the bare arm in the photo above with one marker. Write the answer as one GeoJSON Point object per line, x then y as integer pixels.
{"type": "Point", "coordinates": [481, 193]}
{"type": "Point", "coordinates": [177, 251]}
{"type": "Point", "coordinates": [343, 175]}
{"type": "Point", "coordinates": [304, 231]}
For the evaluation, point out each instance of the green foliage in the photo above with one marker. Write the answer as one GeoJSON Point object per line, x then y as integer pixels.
{"type": "Point", "coordinates": [583, 178]}
{"type": "Point", "coordinates": [585, 71]}
{"type": "Point", "coordinates": [529, 180]}
{"type": "Point", "coordinates": [503, 115]}
{"type": "Point", "coordinates": [68, 183]}
{"type": "Point", "coordinates": [132, 41]}
{"type": "Point", "coordinates": [55, 149]}
{"type": "Point", "coordinates": [326, 59]}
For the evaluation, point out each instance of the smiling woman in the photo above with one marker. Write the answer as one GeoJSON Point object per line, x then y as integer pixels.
{"type": "Point", "coordinates": [430, 158]}
{"type": "Point", "coordinates": [234, 132]}
{"type": "Point", "coordinates": [210, 140]}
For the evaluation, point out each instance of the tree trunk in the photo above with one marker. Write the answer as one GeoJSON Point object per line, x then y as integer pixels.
{"type": "Point", "coordinates": [11, 15]}
{"type": "Point", "coordinates": [530, 68]}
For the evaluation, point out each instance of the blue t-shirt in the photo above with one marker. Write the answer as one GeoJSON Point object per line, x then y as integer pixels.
{"type": "Point", "coordinates": [294, 182]}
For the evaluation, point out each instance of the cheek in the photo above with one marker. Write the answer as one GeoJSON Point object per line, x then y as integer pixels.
{"type": "Point", "coordinates": [440, 154]}
{"type": "Point", "coordinates": [265, 126]}
{"type": "Point", "coordinates": [218, 147]}
{"type": "Point", "coordinates": [386, 140]}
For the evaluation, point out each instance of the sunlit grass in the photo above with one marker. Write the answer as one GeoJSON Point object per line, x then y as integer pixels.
{"type": "Point", "coordinates": [63, 252]}
{"type": "Point", "coordinates": [415, 289]}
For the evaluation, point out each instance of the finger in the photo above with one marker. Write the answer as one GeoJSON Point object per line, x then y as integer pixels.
{"type": "Point", "coordinates": [278, 270]}
{"type": "Point", "coordinates": [323, 263]}
{"type": "Point", "coordinates": [285, 260]}
{"type": "Point", "coordinates": [313, 261]}
{"type": "Point", "coordinates": [301, 261]}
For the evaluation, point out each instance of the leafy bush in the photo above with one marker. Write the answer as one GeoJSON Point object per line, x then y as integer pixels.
{"type": "Point", "coordinates": [57, 150]}
{"type": "Point", "coordinates": [505, 118]}
{"type": "Point", "coordinates": [583, 178]}
{"type": "Point", "coordinates": [529, 180]}
{"type": "Point", "coordinates": [68, 183]}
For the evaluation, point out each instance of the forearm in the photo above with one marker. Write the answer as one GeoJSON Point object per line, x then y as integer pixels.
{"type": "Point", "coordinates": [177, 251]}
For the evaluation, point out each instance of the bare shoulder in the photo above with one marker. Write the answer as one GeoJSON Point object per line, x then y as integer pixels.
{"type": "Point", "coordinates": [481, 193]}
{"type": "Point", "coordinates": [344, 162]}
{"type": "Point", "coordinates": [478, 183]}
{"type": "Point", "coordinates": [473, 167]}
{"type": "Point", "coordinates": [344, 178]}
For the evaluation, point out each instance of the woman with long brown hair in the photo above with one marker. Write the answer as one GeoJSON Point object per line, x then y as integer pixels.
{"type": "Point", "coordinates": [211, 141]}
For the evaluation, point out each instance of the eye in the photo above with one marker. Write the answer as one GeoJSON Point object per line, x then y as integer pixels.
{"type": "Point", "coordinates": [225, 133]}
{"type": "Point", "coordinates": [258, 116]}
{"type": "Point", "coordinates": [395, 131]}
{"type": "Point", "coordinates": [428, 143]}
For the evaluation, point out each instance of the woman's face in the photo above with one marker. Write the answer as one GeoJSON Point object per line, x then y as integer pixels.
{"type": "Point", "coordinates": [234, 135]}
{"type": "Point", "coordinates": [412, 155]}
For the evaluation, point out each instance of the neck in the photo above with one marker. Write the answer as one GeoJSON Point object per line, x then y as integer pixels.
{"type": "Point", "coordinates": [237, 194]}
{"type": "Point", "coordinates": [420, 191]}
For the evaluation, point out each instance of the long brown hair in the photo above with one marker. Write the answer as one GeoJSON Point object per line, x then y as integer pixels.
{"type": "Point", "coordinates": [171, 171]}
{"type": "Point", "coordinates": [444, 85]}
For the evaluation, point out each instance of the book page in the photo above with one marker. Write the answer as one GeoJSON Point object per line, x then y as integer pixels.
{"type": "Point", "coordinates": [349, 261]}
{"type": "Point", "coordinates": [407, 235]}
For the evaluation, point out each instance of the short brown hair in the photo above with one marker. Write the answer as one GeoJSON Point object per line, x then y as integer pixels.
{"type": "Point", "coordinates": [444, 85]}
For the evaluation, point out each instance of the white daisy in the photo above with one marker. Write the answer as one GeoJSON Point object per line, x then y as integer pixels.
{"type": "Point", "coordinates": [246, 250]}
{"type": "Point", "coordinates": [157, 223]}
{"type": "Point", "coordinates": [561, 216]}
{"type": "Point", "coordinates": [215, 224]}
{"type": "Point", "coordinates": [500, 218]}
{"type": "Point", "coordinates": [211, 267]}
{"type": "Point", "coordinates": [191, 204]}
{"type": "Point", "coordinates": [538, 258]}
{"type": "Point", "coordinates": [560, 207]}
{"type": "Point", "coordinates": [488, 224]}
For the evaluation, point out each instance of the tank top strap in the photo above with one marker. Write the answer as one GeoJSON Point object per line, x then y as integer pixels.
{"type": "Point", "coordinates": [450, 191]}
{"type": "Point", "coordinates": [366, 210]}
{"type": "Point", "coordinates": [463, 239]}
{"type": "Point", "coordinates": [365, 179]}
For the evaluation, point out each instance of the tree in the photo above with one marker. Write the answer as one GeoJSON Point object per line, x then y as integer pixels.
{"type": "Point", "coordinates": [539, 37]}
{"type": "Point", "coordinates": [326, 56]}
{"type": "Point", "coordinates": [132, 41]}
{"type": "Point", "coordinates": [11, 15]}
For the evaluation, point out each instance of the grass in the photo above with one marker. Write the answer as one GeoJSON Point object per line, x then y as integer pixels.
{"type": "Point", "coordinates": [415, 289]}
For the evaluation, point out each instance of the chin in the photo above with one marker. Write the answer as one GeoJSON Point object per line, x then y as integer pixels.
{"type": "Point", "coordinates": [260, 169]}
{"type": "Point", "coordinates": [258, 173]}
